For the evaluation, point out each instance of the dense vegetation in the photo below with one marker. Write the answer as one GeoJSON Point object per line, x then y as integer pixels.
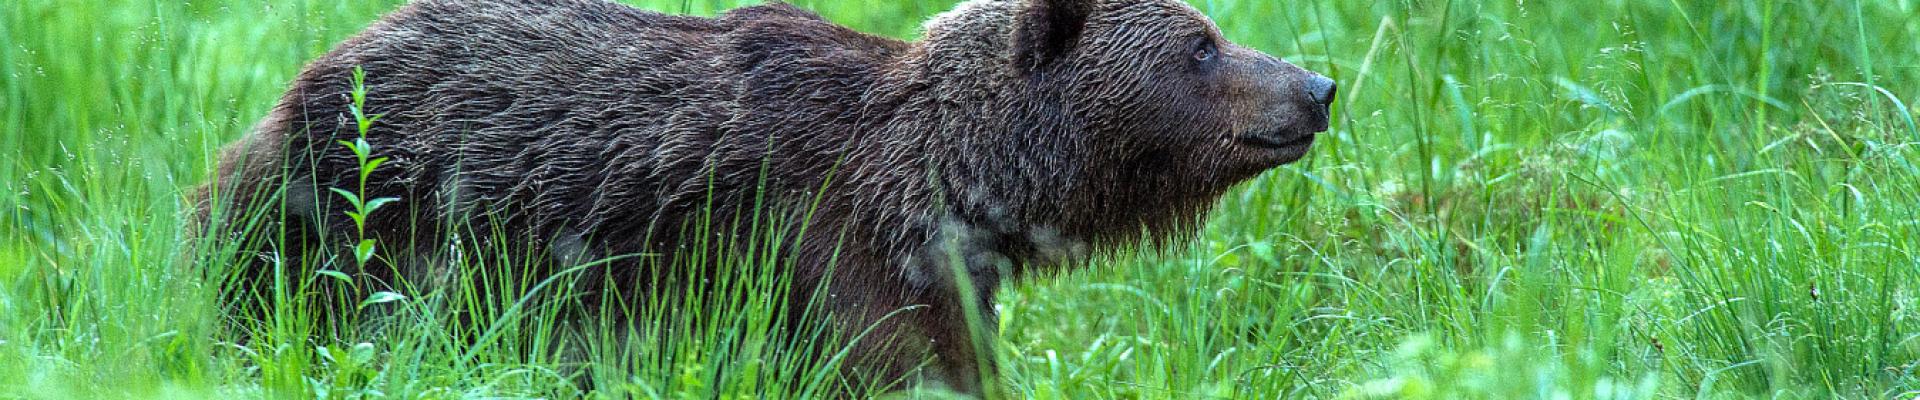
{"type": "Point", "coordinates": [1605, 199]}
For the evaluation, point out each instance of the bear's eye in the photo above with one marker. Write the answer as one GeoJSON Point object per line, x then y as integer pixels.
{"type": "Point", "coordinates": [1204, 51]}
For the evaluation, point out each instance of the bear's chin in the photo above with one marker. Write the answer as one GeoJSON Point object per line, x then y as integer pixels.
{"type": "Point", "coordinates": [1251, 159]}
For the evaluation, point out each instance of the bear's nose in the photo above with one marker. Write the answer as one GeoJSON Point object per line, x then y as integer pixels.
{"type": "Point", "coordinates": [1322, 89]}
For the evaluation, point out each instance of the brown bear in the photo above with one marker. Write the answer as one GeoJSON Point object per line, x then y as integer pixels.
{"type": "Point", "coordinates": [1018, 135]}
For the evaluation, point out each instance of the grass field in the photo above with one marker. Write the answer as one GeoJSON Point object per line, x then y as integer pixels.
{"type": "Point", "coordinates": [1518, 199]}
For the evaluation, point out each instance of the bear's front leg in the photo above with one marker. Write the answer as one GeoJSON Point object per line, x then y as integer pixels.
{"type": "Point", "coordinates": [961, 340]}
{"type": "Point", "coordinates": [902, 335]}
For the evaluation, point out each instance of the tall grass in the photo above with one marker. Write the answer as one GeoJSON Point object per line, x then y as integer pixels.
{"type": "Point", "coordinates": [1611, 199]}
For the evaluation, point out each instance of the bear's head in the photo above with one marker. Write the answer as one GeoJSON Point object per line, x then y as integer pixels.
{"type": "Point", "coordinates": [1155, 85]}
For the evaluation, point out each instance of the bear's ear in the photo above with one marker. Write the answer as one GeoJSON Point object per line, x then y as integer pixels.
{"type": "Point", "coordinates": [1046, 30]}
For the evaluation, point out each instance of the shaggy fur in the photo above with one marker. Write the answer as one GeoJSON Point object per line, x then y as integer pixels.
{"type": "Point", "coordinates": [1016, 135]}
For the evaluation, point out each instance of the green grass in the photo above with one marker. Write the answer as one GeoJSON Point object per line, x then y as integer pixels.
{"type": "Point", "coordinates": [1611, 199]}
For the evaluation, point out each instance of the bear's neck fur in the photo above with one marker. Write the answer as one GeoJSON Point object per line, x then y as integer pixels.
{"type": "Point", "coordinates": [994, 163]}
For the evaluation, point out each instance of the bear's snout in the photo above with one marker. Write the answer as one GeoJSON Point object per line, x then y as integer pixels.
{"type": "Point", "coordinates": [1321, 89]}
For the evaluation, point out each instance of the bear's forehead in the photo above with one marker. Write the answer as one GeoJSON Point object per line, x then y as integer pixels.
{"type": "Point", "coordinates": [1159, 13]}
{"type": "Point", "coordinates": [1151, 8]}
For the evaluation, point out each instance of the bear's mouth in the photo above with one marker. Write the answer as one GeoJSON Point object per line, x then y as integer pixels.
{"type": "Point", "coordinates": [1278, 140]}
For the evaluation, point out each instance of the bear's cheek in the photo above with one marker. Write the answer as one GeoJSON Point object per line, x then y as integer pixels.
{"type": "Point", "coordinates": [1202, 119]}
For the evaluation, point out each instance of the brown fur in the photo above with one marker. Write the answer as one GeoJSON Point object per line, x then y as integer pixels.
{"type": "Point", "coordinates": [1018, 134]}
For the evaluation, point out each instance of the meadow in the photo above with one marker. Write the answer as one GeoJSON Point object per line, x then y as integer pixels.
{"type": "Point", "coordinates": [1612, 199]}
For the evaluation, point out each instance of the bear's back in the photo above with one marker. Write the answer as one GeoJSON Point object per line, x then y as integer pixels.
{"type": "Point", "coordinates": [572, 117]}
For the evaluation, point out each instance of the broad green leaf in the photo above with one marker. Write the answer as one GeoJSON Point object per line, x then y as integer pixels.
{"type": "Point", "coordinates": [372, 165]}
{"type": "Point", "coordinates": [341, 276]}
{"type": "Point", "coordinates": [361, 353]}
{"type": "Point", "coordinates": [376, 203]}
{"type": "Point", "coordinates": [353, 199]}
{"type": "Point", "coordinates": [382, 297]}
{"type": "Point", "coordinates": [363, 251]}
